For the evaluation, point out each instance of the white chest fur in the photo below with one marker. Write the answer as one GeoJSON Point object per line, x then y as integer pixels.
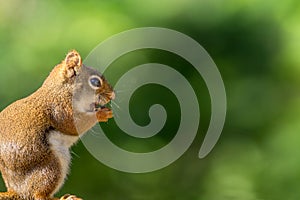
{"type": "Point", "coordinates": [60, 145]}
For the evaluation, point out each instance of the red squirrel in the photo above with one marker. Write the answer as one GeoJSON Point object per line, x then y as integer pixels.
{"type": "Point", "coordinates": [36, 132]}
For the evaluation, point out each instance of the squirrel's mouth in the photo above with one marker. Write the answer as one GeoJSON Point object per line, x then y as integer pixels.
{"type": "Point", "coordinates": [97, 106]}
{"type": "Point", "coordinates": [101, 102]}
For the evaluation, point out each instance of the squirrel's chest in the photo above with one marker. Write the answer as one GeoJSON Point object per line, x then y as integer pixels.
{"type": "Point", "coordinates": [60, 145]}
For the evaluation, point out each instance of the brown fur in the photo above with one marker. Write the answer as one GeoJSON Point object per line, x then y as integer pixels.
{"type": "Point", "coordinates": [30, 167]}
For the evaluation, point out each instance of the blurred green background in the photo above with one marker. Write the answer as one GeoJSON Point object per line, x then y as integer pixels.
{"type": "Point", "coordinates": [255, 45]}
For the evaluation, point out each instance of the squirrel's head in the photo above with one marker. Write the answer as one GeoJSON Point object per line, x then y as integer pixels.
{"type": "Point", "coordinates": [89, 88]}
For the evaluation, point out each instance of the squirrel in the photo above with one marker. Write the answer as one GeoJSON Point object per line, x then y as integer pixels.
{"type": "Point", "coordinates": [37, 132]}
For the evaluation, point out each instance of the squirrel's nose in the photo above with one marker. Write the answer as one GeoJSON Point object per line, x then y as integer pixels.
{"type": "Point", "coordinates": [112, 95]}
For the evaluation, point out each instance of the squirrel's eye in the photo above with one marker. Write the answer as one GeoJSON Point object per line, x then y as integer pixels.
{"type": "Point", "coordinates": [95, 82]}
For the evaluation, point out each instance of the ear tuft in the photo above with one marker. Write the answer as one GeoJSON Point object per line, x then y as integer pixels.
{"type": "Point", "coordinates": [72, 63]}
{"type": "Point", "coordinates": [73, 59]}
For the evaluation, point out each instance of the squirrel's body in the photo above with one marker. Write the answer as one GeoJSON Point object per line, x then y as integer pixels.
{"type": "Point", "coordinates": [36, 132]}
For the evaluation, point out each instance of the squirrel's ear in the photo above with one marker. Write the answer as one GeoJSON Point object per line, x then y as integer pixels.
{"type": "Point", "coordinates": [72, 63]}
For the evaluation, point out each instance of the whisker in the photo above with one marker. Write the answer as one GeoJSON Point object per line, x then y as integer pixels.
{"type": "Point", "coordinates": [75, 154]}
{"type": "Point", "coordinates": [114, 103]}
{"type": "Point", "coordinates": [120, 91]}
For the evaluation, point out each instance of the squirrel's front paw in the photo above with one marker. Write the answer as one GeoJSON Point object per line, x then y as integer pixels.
{"type": "Point", "coordinates": [104, 114]}
{"type": "Point", "coordinates": [69, 197]}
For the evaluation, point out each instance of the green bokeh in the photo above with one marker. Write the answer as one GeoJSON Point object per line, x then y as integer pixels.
{"type": "Point", "coordinates": [255, 45]}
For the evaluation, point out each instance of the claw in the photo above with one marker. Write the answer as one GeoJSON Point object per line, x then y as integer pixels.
{"type": "Point", "coordinates": [104, 114]}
